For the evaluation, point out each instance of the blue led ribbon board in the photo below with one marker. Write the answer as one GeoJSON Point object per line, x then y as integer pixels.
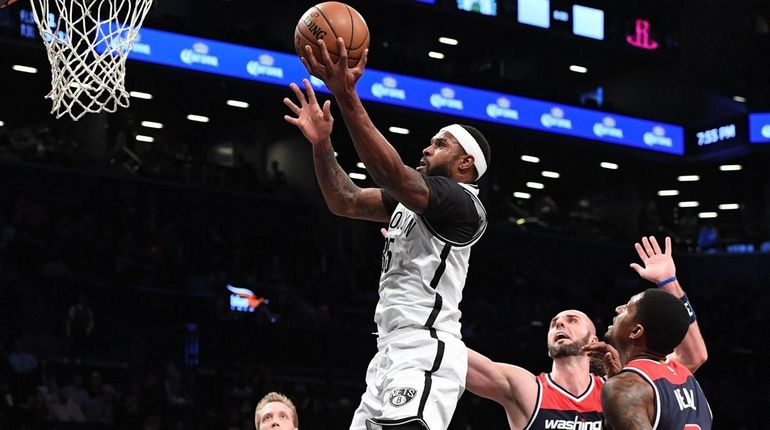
{"type": "Point", "coordinates": [759, 127]}
{"type": "Point", "coordinates": [260, 65]}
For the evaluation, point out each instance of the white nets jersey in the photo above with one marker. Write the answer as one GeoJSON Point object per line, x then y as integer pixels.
{"type": "Point", "coordinates": [425, 259]}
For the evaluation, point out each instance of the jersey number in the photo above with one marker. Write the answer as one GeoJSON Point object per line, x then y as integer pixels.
{"type": "Point", "coordinates": [387, 254]}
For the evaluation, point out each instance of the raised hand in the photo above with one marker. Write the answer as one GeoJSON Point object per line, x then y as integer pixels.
{"type": "Point", "coordinates": [338, 77]}
{"type": "Point", "coordinates": [313, 121]}
{"type": "Point", "coordinates": [658, 265]}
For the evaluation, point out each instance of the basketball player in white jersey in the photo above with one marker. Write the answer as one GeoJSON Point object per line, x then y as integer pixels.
{"type": "Point", "coordinates": [434, 215]}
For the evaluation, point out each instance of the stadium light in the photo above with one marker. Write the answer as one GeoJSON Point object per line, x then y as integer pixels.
{"type": "Point", "coordinates": [729, 206]}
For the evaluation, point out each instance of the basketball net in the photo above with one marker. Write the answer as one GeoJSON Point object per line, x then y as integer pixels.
{"type": "Point", "coordinates": [87, 43]}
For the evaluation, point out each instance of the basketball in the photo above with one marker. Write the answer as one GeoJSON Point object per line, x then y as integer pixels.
{"type": "Point", "coordinates": [328, 21]}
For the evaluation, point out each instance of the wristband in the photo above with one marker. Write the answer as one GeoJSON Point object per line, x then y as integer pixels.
{"type": "Point", "coordinates": [688, 306]}
{"type": "Point", "coordinates": [667, 281]}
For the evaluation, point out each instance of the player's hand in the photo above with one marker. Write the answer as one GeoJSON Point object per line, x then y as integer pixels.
{"type": "Point", "coordinates": [313, 121]}
{"type": "Point", "coordinates": [338, 77]}
{"type": "Point", "coordinates": [608, 354]}
{"type": "Point", "coordinates": [658, 265]}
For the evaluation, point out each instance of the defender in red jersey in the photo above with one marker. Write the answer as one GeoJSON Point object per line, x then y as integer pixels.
{"type": "Point", "coordinates": [569, 396]}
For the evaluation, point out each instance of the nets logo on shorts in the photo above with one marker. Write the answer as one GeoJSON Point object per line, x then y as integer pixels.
{"type": "Point", "coordinates": [401, 396]}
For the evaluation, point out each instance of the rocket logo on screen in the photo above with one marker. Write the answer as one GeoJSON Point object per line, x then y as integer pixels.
{"type": "Point", "coordinates": [244, 300]}
{"type": "Point", "coordinates": [641, 37]}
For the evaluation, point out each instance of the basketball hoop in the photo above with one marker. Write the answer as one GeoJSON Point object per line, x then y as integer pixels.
{"type": "Point", "coordinates": [87, 43]}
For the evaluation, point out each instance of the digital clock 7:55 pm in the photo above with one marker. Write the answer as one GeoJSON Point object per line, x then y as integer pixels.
{"type": "Point", "coordinates": [717, 134]}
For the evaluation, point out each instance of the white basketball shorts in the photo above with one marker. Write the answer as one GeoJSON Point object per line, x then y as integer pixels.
{"type": "Point", "coordinates": [417, 374]}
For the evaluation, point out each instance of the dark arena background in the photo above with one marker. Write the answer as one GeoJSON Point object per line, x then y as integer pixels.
{"type": "Point", "coordinates": [126, 238]}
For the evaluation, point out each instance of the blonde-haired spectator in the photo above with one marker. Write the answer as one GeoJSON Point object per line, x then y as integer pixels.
{"type": "Point", "coordinates": [276, 411]}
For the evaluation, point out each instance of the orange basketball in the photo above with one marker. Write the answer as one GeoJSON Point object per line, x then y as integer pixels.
{"type": "Point", "coordinates": [328, 21]}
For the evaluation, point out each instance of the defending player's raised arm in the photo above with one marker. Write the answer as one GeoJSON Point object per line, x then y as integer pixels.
{"type": "Point", "coordinates": [342, 196]}
{"type": "Point", "coordinates": [382, 161]}
{"type": "Point", "coordinates": [627, 402]}
{"type": "Point", "coordinates": [659, 268]}
{"type": "Point", "coordinates": [692, 352]}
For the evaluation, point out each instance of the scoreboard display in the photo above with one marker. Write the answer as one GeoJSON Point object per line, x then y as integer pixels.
{"type": "Point", "coordinates": [647, 31]}
{"type": "Point", "coordinates": [721, 139]}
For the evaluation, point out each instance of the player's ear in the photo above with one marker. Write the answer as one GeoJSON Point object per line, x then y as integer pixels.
{"type": "Point", "coordinates": [467, 162]}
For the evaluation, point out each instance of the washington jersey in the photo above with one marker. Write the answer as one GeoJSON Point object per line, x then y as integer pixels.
{"type": "Point", "coordinates": [557, 408]}
{"type": "Point", "coordinates": [679, 401]}
{"type": "Point", "coordinates": [425, 258]}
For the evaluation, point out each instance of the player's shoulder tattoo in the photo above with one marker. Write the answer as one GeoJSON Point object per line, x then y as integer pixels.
{"type": "Point", "coordinates": [627, 402]}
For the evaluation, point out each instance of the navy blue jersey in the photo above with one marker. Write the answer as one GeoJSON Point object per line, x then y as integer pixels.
{"type": "Point", "coordinates": [679, 401]}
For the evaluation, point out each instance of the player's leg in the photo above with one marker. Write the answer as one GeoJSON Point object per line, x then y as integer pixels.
{"type": "Point", "coordinates": [370, 405]}
{"type": "Point", "coordinates": [424, 382]}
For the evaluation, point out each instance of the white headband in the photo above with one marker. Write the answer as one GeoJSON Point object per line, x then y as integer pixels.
{"type": "Point", "coordinates": [470, 145]}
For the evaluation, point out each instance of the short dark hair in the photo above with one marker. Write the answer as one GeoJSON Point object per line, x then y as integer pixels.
{"type": "Point", "coordinates": [664, 318]}
{"type": "Point", "coordinates": [482, 141]}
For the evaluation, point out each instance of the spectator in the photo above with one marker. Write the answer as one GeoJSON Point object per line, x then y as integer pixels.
{"type": "Point", "coordinates": [101, 407]}
{"type": "Point", "coordinates": [64, 408]}
{"type": "Point", "coordinates": [80, 325]}
{"type": "Point", "coordinates": [173, 385]}
{"type": "Point", "coordinates": [77, 392]}
{"type": "Point", "coordinates": [276, 410]}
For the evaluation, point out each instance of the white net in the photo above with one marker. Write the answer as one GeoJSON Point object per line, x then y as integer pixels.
{"type": "Point", "coordinates": [87, 43]}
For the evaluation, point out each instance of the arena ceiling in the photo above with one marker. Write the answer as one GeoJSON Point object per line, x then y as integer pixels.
{"type": "Point", "coordinates": [715, 52]}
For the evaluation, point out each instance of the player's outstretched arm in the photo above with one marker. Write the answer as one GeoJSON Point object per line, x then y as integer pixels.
{"type": "Point", "coordinates": [342, 196]}
{"type": "Point", "coordinates": [382, 161]}
{"type": "Point", "coordinates": [627, 403]}
{"type": "Point", "coordinates": [504, 383]}
{"type": "Point", "coordinates": [658, 267]}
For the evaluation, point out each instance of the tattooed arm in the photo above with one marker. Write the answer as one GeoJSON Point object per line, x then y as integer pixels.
{"type": "Point", "coordinates": [627, 401]}
{"type": "Point", "coordinates": [342, 196]}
